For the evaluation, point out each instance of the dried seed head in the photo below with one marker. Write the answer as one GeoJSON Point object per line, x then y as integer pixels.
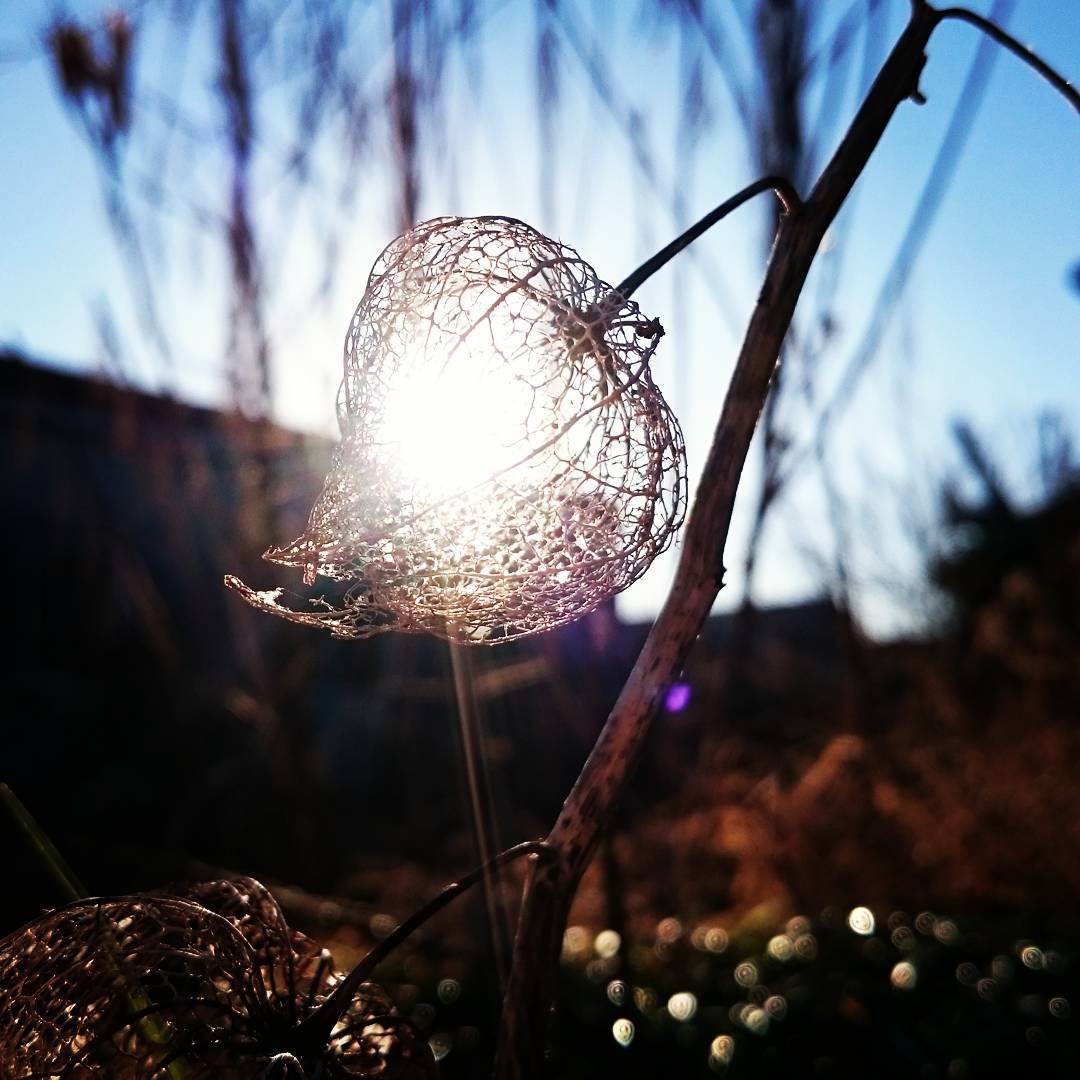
{"type": "Point", "coordinates": [206, 981]}
{"type": "Point", "coordinates": [506, 461]}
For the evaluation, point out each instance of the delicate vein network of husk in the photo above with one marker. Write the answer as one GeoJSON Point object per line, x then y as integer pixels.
{"type": "Point", "coordinates": [202, 981]}
{"type": "Point", "coordinates": [592, 490]}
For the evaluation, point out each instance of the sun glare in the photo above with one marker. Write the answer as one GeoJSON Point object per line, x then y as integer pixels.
{"type": "Point", "coordinates": [449, 424]}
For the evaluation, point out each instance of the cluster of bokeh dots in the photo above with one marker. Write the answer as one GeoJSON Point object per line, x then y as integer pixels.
{"type": "Point", "coordinates": [937, 996]}
{"type": "Point", "coordinates": [738, 999]}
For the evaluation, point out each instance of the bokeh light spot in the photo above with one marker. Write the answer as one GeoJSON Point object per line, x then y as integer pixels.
{"type": "Point", "coordinates": [722, 1050]}
{"type": "Point", "coordinates": [441, 1044]}
{"type": "Point", "coordinates": [716, 939]}
{"type": "Point", "coordinates": [575, 941]}
{"type": "Point", "coordinates": [904, 975]}
{"type": "Point", "coordinates": [607, 943]}
{"type": "Point", "coordinates": [776, 1006]}
{"type": "Point", "coordinates": [967, 973]}
{"type": "Point", "coordinates": [861, 920]}
{"type": "Point", "coordinates": [669, 930]}
{"type": "Point", "coordinates": [746, 974]}
{"type": "Point", "coordinates": [946, 931]}
{"type": "Point", "coordinates": [682, 1006]}
{"type": "Point", "coordinates": [780, 947]}
{"type": "Point", "coordinates": [1059, 1008]}
{"type": "Point", "coordinates": [903, 938]}
{"type": "Point", "coordinates": [755, 1019]}
{"type": "Point", "coordinates": [1032, 957]}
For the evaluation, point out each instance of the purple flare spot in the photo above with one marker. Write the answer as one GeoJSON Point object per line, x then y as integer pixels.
{"type": "Point", "coordinates": [678, 697]}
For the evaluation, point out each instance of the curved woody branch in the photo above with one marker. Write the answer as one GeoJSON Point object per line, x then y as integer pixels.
{"type": "Point", "coordinates": [699, 577]}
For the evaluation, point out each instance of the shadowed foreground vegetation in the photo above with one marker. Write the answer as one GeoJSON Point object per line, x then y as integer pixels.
{"type": "Point", "coordinates": [934, 777]}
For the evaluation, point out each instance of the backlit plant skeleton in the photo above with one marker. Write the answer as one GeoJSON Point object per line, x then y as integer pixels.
{"type": "Point", "coordinates": [506, 460]}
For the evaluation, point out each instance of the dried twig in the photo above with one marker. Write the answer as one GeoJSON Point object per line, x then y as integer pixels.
{"type": "Point", "coordinates": [589, 806]}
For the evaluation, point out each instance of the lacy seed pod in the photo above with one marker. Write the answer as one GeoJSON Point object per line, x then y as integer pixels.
{"type": "Point", "coordinates": [506, 462]}
{"type": "Point", "coordinates": [204, 981]}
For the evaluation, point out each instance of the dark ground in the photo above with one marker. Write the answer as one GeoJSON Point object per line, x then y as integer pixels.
{"type": "Point", "coordinates": [160, 730]}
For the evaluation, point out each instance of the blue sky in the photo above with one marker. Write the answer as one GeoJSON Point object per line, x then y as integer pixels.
{"type": "Point", "coordinates": [989, 328]}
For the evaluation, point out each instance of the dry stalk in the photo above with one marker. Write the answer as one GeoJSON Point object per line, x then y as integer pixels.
{"type": "Point", "coordinates": [589, 806]}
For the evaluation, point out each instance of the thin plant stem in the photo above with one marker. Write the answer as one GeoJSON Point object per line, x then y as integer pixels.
{"type": "Point", "coordinates": [319, 1025]}
{"type": "Point", "coordinates": [45, 849]}
{"type": "Point", "coordinates": [1007, 41]}
{"type": "Point", "coordinates": [784, 191]}
{"type": "Point", "coordinates": [479, 806]}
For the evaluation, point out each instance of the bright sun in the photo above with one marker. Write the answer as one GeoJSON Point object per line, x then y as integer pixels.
{"type": "Point", "coordinates": [449, 424]}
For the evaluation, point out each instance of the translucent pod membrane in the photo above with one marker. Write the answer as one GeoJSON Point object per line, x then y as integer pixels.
{"type": "Point", "coordinates": [506, 461]}
{"type": "Point", "coordinates": [208, 976]}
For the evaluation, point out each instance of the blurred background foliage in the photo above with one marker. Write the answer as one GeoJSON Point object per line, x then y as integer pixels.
{"type": "Point", "coordinates": [250, 160]}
